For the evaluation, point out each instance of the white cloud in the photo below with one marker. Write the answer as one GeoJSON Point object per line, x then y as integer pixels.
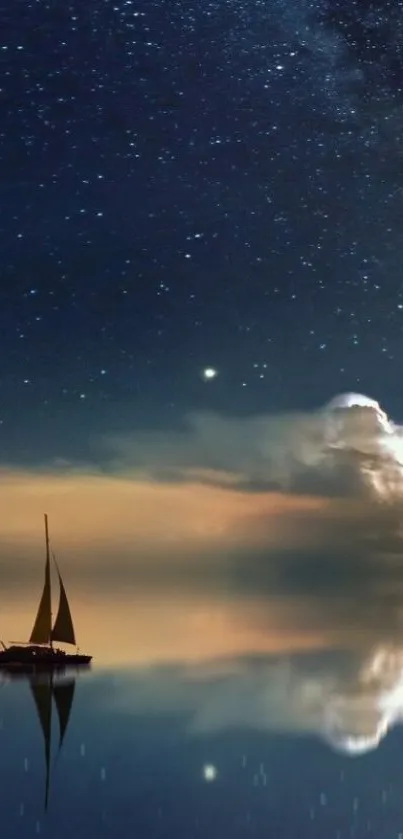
{"type": "Point", "coordinates": [347, 448]}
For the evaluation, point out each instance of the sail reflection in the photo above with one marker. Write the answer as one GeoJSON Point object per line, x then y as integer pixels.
{"type": "Point", "coordinates": [49, 690]}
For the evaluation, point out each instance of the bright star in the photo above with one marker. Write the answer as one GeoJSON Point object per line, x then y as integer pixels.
{"type": "Point", "coordinates": [209, 772]}
{"type": "Point", "coordinates": [209, 373]}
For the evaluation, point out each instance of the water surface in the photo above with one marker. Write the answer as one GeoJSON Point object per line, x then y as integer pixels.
{"type": "Point", "coordinates": [210, 715]}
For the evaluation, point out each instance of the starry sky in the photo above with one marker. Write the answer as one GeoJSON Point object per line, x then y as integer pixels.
{"type": "Point", "coordinates": [194, 185]}
{"type": "Point", "coordinates": [189, 185]}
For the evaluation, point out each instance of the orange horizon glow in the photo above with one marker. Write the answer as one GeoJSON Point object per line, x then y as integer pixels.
{"type": "Point", "coordinates": [149, 628]}
{"type": "Point", "coordinates": [106, 529]}
{"type": "Point", "coordinates": [103, 511]}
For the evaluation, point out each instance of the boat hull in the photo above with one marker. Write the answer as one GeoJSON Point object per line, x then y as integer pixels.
{"type": "Point", "coordinates": [27, 659]}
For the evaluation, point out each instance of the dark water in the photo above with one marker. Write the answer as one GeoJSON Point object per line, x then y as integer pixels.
{"type": "Point", "coordinates": [298, 745]}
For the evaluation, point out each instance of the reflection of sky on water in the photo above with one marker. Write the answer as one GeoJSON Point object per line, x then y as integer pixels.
{"type": "Point", "coordinates": [220, 748]}
{"type": "Point", "coordinates": [218, 698]}
{"type": "Point", "coordinates": [349, 700]}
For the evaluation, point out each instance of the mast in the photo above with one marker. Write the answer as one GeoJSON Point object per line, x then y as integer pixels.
{"type": "Point", "coordinates": [42, 629]}
{"type": "Point", "coordinates": [48, 566]}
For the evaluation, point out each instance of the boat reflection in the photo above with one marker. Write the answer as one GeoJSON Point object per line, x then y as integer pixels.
{"type": "Point", "coordinates": [53, 689]}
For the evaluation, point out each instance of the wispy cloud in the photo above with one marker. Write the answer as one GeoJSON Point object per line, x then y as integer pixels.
{"type": "Point", "coordinates": [306, 506]}
{"type": "Point", "coordinates": [294, 482]}
{"type": "Point", "coordinates": [341, 450]}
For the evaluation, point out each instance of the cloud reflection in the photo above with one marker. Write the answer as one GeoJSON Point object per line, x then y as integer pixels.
{"type": "Point", "coordinates": [350, 701]}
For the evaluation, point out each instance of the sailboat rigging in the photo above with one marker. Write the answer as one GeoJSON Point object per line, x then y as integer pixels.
{"type": "Point", "coordinates": [40, 650]}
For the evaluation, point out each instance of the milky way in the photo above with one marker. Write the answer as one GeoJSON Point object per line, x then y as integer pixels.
{"type": "Point", "coordinates": [190, 185]}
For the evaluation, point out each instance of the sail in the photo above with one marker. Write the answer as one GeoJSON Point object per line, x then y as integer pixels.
{"type": "Point", "coordinates": [63, 695]}
{"type": "Point", "coordinates": [63, 630]}
{"type": "Point", "coordinates": [42, 694]}
{"type": "Point", "coordinates": [43, 623]}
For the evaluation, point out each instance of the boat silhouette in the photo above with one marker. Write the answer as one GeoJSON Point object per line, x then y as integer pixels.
{"type": "Point", "coordinates": [39, 651]}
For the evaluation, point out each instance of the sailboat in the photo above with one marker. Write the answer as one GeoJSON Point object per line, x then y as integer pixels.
{"type": "Point", "coordinates": [40, 650]}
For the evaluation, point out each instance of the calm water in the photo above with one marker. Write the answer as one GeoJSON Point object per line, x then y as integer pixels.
{"type": "Point", "coordinates": [299, 738]}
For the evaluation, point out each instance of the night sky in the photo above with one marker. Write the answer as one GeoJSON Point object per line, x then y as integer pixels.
{"type": "Point", "coordinates": [201, 239]}
{"type": "Point", "coordinates": [196, 184]}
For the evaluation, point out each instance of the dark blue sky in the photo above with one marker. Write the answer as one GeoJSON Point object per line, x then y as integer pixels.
{"type": "Point", "coordinates": [195, 184]}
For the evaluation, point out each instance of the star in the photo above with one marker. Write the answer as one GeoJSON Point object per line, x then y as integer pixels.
{"type": "Point", "coordinates": [209, 373]}
{"type": "Point", "coordinates": [209, 772]}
